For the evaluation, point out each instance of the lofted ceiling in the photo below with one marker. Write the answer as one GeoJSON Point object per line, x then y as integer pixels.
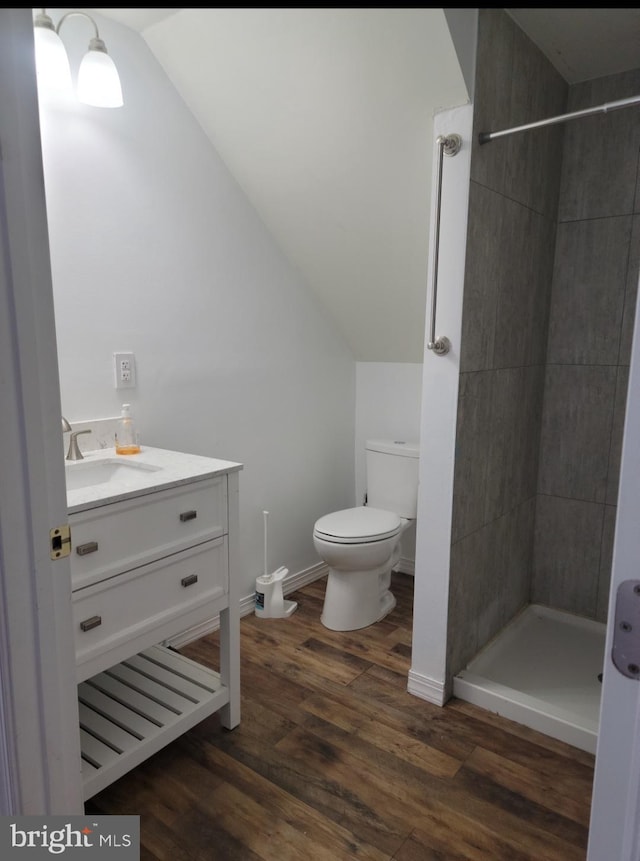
{"type": "Point", "coordinates": [324, 117]}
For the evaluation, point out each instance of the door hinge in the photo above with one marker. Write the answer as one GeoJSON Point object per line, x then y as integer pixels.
{"type": "Point", "coordinates": [60, 541]}
{"type": "Point", "coordinates": [626, 635]}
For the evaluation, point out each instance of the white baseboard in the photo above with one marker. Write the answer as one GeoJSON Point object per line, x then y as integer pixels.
{"type": "Point", "coordinates": [427, 689]}
{"type": "Point", "coordinates": [291, 583]}
{"type": "Point", "coordinates": [195, 633]}
{"type": "Point", "coordinates": [406, 566]}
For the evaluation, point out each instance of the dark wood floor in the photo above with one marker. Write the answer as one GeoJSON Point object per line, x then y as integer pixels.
{"type": "Point", "coordinates": [334, 760]}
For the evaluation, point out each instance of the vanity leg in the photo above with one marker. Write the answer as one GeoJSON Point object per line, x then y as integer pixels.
{"type": "Point", "coordinates": [230, 617]}
{"type": "Point", "coordinates": [230, 665]}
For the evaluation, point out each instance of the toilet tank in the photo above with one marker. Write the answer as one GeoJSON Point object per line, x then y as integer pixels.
{"type": "Point", "coordinates": [392, 476]}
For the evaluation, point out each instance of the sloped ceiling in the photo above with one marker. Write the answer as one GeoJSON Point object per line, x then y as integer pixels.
{"type": "Point", "coordinates": [324, 117]}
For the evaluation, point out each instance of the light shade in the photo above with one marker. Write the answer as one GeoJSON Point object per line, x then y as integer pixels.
{"type": "Point", "coordinates": [98, 79]}
{"type": "Point", "coordinates": [52, 63]}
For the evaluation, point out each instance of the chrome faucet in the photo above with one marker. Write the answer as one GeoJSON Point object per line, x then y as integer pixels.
{"type": "Point", "coordinates": [74, 452]}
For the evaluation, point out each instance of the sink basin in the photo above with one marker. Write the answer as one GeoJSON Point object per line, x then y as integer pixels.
{"type": "Point", "coordinates": [82, 474]}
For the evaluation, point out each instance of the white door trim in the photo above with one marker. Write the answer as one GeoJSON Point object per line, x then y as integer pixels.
{"type": "Point", "coordinates": [614, 833]}
{"type": "Point", "coordinates": [39, 738]}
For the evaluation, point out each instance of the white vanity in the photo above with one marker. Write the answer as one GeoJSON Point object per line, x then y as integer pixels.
{"type": "Point", "coordinates": [153, 554]}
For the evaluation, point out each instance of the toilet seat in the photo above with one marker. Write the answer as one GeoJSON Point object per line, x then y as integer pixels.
{"type": "Point", "coordinates": [358, 525]}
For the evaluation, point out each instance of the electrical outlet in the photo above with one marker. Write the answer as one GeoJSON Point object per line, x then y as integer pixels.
{"type": "Point", "coordinates": [125, 370]}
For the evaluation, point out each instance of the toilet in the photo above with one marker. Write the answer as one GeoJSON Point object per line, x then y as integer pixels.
{"type": "Point", "coordinates": [361, 545]}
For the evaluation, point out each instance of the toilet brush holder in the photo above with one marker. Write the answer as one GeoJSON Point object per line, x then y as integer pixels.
{"type": "Point", "coordinates": [270, 601]}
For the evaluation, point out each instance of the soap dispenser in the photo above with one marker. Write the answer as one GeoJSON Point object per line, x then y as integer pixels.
{"type": "Point", "coordinates": [126, 436]}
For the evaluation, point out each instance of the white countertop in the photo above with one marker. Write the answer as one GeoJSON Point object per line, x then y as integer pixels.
{"type": "Point", "coordinates": [153, 469]}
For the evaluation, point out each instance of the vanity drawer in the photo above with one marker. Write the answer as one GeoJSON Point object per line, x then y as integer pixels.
{"type": "Point", "coordinates": [114, 538]}
{"type": "Point", "coordinates": [115, 612]}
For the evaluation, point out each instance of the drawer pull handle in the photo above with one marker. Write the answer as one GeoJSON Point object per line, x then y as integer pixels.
{"type": "Point", "coordinates": [93, 622]}
{"type": "Point", "coordinates": [190, 580]}
{"type": "Point", "coordinates": [188, 515]}
{"type": "Point", "coordinates": [85, 549]}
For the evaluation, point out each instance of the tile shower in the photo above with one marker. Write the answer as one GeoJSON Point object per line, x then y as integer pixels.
{"type": "Point", "coordinates": [550, 287]}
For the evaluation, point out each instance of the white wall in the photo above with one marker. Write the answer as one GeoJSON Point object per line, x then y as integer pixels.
{"type": "Point", "coordinates": [438, 423]}
{"type": "Point", "coordinates": [331, 143]}
{"type": "Point", "coordinates": [156, 250]}
{"type": "Point", "coordinates": [388, 399]}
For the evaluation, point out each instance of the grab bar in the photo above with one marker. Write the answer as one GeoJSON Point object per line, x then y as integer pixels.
{"type": "Point", "coordinates": [447, 145]}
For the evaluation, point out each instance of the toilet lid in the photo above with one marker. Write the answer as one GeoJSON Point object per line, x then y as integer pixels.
{"type": "Point", "coordinates": [353, 525]}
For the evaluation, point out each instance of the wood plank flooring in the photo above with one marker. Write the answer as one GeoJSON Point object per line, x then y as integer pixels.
{"type": "Point", "coordinates": [334, 760]}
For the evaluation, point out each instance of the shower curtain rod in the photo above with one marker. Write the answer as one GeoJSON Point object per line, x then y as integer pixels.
{"type": "Point", "coordinates": [486, 137]}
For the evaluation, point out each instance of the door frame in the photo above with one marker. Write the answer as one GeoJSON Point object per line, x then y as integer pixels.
{"type": "Point", "coordinates": [40, 764]}
{"type": "Point", "coordinates": [614, 832]}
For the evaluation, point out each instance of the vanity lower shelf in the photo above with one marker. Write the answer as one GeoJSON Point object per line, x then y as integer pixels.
{"type": "Point", "coordinates": [135, 708]}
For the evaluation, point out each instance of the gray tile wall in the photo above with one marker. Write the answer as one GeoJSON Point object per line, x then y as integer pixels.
{"type": "Point", "coordinates": [593, 298]}
{"type": "Point", "coordinates": [509, 266]}
{"type": "Point", "coordinates": [553, 253]}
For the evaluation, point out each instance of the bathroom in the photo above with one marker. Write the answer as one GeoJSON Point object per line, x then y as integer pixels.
{"type": "Point", "coordinates": [252, 388]}
{"type": "Point", "coordinates": [231, 374]}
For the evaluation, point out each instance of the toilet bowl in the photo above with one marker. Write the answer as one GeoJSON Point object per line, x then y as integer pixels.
{"type": "Point", "coordinates": [360, 546]}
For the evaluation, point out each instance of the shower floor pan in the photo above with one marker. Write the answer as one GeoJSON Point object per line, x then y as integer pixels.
{"type": "Point", "coordinates": [542, 671]}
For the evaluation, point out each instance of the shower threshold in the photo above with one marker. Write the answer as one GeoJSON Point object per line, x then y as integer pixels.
{"type": "Point", "coordinates": [542, 671]}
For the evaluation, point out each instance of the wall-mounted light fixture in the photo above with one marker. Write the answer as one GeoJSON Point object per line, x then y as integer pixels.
{"type": "Point", "coordinates": [98, 79]}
